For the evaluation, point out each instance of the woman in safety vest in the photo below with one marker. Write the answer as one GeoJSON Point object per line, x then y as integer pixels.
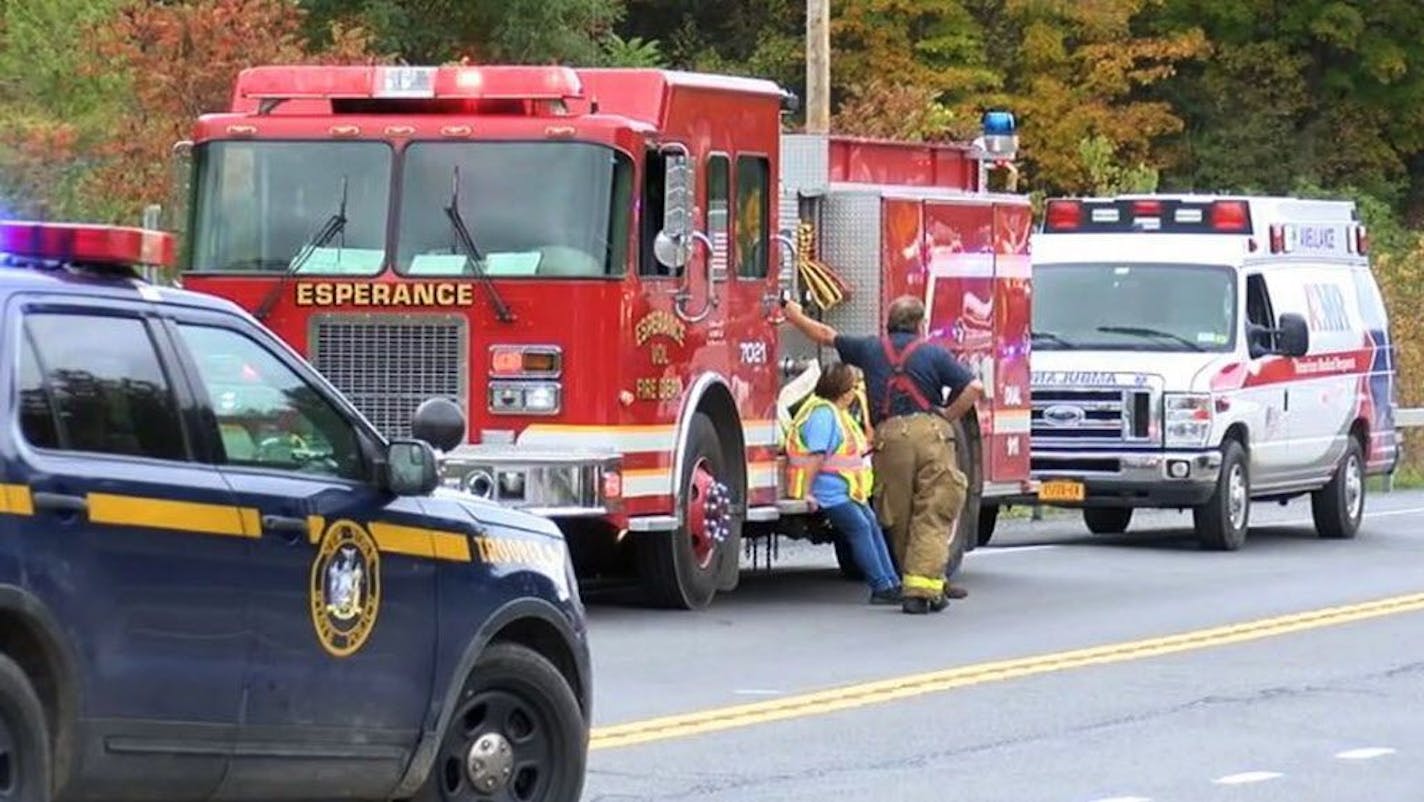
{"type": "Point", "coordinates": [829, 457]}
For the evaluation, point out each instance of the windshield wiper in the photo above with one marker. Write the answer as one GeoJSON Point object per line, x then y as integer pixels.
{"type": "Point", "coordinates": [1139, 331]}
{"type": "Point", "coordinates": [467, 244]}
{"type": "Point", "coordinates": [334, 225]}
{"type": "Point", "coordinates": [1051, 337]}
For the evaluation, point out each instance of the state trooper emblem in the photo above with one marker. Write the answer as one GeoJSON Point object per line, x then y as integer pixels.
{"type": "Point", "coordinates": [345, 588]}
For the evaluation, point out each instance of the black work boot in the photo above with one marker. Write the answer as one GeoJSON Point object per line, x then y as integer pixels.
{"type": "Point", "coordinates": [891, 595]}
{"type": "Point", "coordinates": [954, 591]}
{"type": "Point", "coordinates": [919, 605]}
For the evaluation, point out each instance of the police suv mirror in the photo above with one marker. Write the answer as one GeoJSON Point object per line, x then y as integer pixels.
{"type": "Point", "coordinates": [411, 468]}
{"type": "Point", "coordinates": [439, 422]}
{"type": "Point", "coordinates": [1293, 336]}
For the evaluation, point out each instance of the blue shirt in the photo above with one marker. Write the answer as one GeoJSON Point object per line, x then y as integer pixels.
{"type": "Point", "coordinates": [822, 435]}
{"type": "Point", "coordinates": [932, 368]}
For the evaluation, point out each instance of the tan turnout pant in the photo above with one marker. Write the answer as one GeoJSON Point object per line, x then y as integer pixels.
{"type": "Point", "coordinates": [919, 492]}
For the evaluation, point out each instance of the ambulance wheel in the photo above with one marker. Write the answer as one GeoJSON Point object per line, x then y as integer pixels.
{"type": "Point", "coordinates": [24, 738]}
{"type": "Point", "coordinates": [680, 569]}
{"type": "Point", "coordinates": [1107, 520]}
{"type": "Point", "coordinates": [517, 733]}
{"type": "Point", "coordinates": [1339, 507]}
{"type": "Point", "coordinates": [988, 519]}
{"type": "Point", "coordinates": [1222, 522]}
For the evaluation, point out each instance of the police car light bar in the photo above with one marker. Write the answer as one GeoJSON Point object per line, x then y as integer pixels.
{"type": "Point", "coordinates": [1165, 215]}
{"type": "Point", "coordinates": [81, 243]}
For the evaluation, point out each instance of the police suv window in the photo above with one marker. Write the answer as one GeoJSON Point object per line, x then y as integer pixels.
{"type": "Point", "coordinates": [753, 215]}
{"type": "Point", "coordinates": [94, 383]}
{"type": "Point", "coordinates": [268, 416]}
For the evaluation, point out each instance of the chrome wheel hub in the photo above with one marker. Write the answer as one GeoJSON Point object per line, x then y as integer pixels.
{"type": "Point", "coordinates": [1354, 488]}
{"type": "Point", "coordinates": [490, 763]}
{"type": "Point", "coordinates": [1236, 500]}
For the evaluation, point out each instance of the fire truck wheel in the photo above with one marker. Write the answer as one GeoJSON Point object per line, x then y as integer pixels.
{"type": "Point", "coordinates": [1107, 520]}
{"type": "Point", "coordinates": [24, 743]}
{"type": "Point", "coordinates": [988, 519]}
{"type": "Point", "coordinates": [517, 733]}
{"type": "Point", "coordinates": [1222, 522]}
{"type": "Point", "coordinates": [680, 569]}
{"type": "Point", "coordinates": [966, 527]}
{"type": "Point", "coordinates": [1339, 506]}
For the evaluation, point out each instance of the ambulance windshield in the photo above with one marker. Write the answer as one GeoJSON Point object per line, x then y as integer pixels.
{"type": "Point", "coordinates": [545, 209]}
{"type": "Point", "coordinates": [1134, 307]}
{"type": "Point", "coordinates": [257, 204]}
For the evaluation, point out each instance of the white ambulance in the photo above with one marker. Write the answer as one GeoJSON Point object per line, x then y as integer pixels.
{"type": "Point", "coordinates": [1197, 352]}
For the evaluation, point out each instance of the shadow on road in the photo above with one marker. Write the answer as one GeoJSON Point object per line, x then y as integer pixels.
{"type": "Point", "coordinates": [795, 586]}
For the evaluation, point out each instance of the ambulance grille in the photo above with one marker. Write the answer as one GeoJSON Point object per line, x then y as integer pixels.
{"type": "Point", "coordinates": [1074, 416]}
{"type": "Point", "coordinates": [388, 365]}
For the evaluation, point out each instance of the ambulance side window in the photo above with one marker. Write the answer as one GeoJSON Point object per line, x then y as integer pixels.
{"type": "Point", "coordinates": [753, 215]}
{"type": "Point", "coordinates": [651, 221]}
{"type": "Point", "coordinates": [1259, 313]}
{"type": "Point", "coordinates": [268, 416]}
{"type": "Point", "coordinates": [94, 383]}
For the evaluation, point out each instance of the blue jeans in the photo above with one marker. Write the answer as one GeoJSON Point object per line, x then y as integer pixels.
{"type": "Point", "coordinates": [856, 523]}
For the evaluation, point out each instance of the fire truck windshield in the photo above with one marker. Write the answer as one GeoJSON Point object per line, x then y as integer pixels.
{"type": "Point", "coordinates": [546, 209]}
{"type": "Point", "coordinates": [256, 204]}
{"type": "Point", "coordinates": [1147, 307]}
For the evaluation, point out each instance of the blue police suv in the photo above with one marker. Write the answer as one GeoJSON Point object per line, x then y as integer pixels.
{"type": "Point", "coordinates": [219, 582]}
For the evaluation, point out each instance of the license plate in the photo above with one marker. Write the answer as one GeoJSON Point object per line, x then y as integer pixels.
{"type": "Point", "coordinates": [1060, 490]}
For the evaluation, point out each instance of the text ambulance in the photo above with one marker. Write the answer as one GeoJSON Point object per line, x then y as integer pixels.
{"type": "Point", "coordinates": [1198, 352]}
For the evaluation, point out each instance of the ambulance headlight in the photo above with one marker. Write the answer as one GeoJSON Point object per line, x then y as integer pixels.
{"type": "Point", "coordinates": [1186, 420]}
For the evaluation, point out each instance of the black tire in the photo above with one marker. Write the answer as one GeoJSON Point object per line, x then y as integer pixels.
{"type": "Point", "coordinates": [1339, 507]}
{"type": "Point", "coordinates": [24, 738]}
{"type": "Point", "coordinates": [669, 569]}
{"type": "Point", "coordinates": [514, 696]}
{"type": "Point", "coordinates": [1107, 520]}
{"type": "Point", "coordinates": [845, 559]}
{"type": "Point", "coordinates": [988, 519]}
{"type": "Point", "coordinates": [1215, 527]}
{"type": "Point", "coordinates": [966, 526]}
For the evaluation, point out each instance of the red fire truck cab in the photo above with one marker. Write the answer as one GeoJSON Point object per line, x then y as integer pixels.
{"type": "Point", "coordinates": [586, 265]}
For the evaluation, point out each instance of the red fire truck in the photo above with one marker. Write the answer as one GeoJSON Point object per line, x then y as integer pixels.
{"type": "Point", "coordinates": [586, 265]}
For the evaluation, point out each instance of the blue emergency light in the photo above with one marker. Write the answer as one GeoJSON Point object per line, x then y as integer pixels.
{"type": "Point", "coordinates": [1001, 138]}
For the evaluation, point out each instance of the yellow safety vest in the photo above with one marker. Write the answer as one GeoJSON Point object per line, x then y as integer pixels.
{"type": "Point", "coordinates": [848, 461]}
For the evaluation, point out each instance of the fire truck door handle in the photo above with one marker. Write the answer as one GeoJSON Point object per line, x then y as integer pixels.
{"type": "Point", "coordinates": [681, 298]}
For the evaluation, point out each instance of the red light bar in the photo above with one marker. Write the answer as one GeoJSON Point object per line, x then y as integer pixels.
{"type": "Point", "coordinates": [456, 82]}
{"type": "Point", "coordinates": [1362, 241]}
{"type": "Point", "coordinates": [1147, 208]}
{"type": "Point", "coordinates": [1229, 216]}
{"type": "Point", "coordinates": [1063, 214]}
{"type": "Point", "coordinates": [87, 243]}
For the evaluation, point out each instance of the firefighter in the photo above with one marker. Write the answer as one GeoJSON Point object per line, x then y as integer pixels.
{"type": "Point", "coordinates": [919, 490]}
{"type": "Point", "coordinates": [828, 456]}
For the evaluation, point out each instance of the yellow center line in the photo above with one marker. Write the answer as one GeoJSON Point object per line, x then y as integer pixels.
{"type": "Point", "coordinates": [878, 692]}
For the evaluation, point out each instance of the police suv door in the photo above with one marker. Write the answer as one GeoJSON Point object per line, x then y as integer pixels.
{"type": "Point", "coordinates": [342, 583]}
{"type": "Point", "coordinates": [135, 550]}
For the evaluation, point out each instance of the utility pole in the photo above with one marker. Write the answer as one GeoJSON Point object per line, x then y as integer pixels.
{"type": "Point", "coordinates": [818, 66]}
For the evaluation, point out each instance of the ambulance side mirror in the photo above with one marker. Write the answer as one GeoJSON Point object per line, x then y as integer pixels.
{"type": "Point", "coordinates": [1293, 335]}
{"type": "Point", "coordinates": [439, 422]}
{"type": "Point", "coordinates": [411, 468]}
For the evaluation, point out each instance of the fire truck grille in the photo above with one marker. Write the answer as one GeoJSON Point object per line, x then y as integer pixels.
{"type": "Point", "coordinates": [1063, 416]}
{"type": "Point", "coordinates": [388, 365]}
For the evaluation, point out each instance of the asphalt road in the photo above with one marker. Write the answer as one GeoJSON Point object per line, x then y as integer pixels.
{"type": "Point", "coordinates": [1321, 706]}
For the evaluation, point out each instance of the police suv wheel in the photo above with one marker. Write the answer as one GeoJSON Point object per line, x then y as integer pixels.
{"type": "Point", "coordinates": [1222, 522]}
{"type": "Point", "coordinates": [681, 569]}
{"type": "Point", "coordinates": [1107, 520]}
{"type": "Point", "coordinates": [24, 738]}
{"type": "Point", "coordinates": [1339, 507]}
{"type": "Point", "coordinates": [517, 735]}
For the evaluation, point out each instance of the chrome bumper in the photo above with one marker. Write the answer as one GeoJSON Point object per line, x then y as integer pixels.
{"type": "Point", "coordinates": [562, 483]}
{"type": "Point", "coordinates": [1130, 478]}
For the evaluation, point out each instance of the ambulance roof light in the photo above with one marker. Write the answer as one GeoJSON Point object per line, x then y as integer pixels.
{"type": "Point", "coordinates": [1230, 216]}
{"type": "Point", "coordinates": [89, 244]}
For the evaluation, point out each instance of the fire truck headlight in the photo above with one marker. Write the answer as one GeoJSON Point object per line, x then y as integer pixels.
{"type": "Point", "coordinates": [542, 398]}
{"type": "Point", "coordinates": [1187, 420]}
{"type": "Point", "coordinates": [525, 397]}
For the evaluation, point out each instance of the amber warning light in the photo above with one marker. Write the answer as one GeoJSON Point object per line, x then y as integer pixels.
{"type": "Point", "coordinates": [87, 244]}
